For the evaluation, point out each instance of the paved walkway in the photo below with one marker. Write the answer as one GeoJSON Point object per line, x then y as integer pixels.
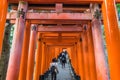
{"type": "Point", "coordinates": [64, 73]}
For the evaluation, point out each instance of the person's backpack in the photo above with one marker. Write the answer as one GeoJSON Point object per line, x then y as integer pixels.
{"type": "Point", "coordinates": [63, 58]}
{"type": "Point", "coordinates": [53, 69]}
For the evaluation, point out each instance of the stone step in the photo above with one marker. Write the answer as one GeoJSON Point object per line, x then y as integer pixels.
{"type": "Point", "coordinates": [64, 73]}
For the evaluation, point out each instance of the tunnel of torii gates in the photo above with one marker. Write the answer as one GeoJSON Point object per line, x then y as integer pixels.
{"type": "Point", "coordinates": [40, 36]}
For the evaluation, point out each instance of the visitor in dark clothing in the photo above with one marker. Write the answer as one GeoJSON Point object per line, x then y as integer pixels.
{"type": "Point", "coordinates": [53, 69]}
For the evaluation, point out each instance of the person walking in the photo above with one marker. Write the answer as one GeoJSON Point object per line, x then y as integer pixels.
{"type": "Point", "coordinates": [54, 69]}
{"type": "Point", "coordinates": [63, 58]}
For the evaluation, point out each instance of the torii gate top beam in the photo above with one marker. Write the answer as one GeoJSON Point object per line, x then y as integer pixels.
{"type": "Point", "coordinates": [60, 1]}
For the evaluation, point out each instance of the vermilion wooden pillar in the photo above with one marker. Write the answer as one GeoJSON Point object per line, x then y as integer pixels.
{"type": "Point", "coordinates": [85, 55]}
{"type": "Point", "coordinates": [31, 53]}
{"type": "Point", "coordinates": [91, 57]}
{"type": "Point", "coordinates": [99, 51]}
{"type": "Point", "coordinates": [38, 57]}
{"type": "Point", "coordinates": [56, 52]}
{"type": "Point", "coordinates": [72, 57]}
{"type": "Point", "coordinates": [24, 57]}
{"type": "Point", "coordinates": [49, 54]}
{"type": "Point", "coordinates": [44, 63]}
{"type": "Point", "coordinates": [53, 52]}
{"type": "Point", "coordinates": [112, 37]}
{"type": "Point", "coordinates": [60, 49]}
{"type": "Point", "coordinates": [16, 50]}
{"type": "Point", "coordinates": [119, 32]}
{"type": "Point", "coordinates": [3, 13]}
{"type": "Point", "coordinates": [46, 59]}
{"type": "Point", "coordinates": [80, 58]}
{"type": "Point", "coordinates": [76, 58]}
{"type": "Point", "coordinates": [99, 46]}
{"type": "Point", "coordinates": [43, 59]}
{"type": "Point", "coordinates": [69, 52]}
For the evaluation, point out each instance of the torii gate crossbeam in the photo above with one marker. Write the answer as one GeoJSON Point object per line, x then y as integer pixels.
{"type": "Point", "coordinates": [61, 1]}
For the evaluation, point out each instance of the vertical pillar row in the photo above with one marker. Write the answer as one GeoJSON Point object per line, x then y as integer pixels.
{"type": "Point", "coordinates": [38, 57]}
{"type": "Point", "coordinates": [72, 57]}
{"type": "Point", "coordinates": [46, 59]}
{"type": "Point", "coordinates": [56, 52]}
{"type": "Point", "coordinates": [25, 48]}
{"type": "Point", "coordinates": [85, 54]}
{"type": "Point", "coordinates": [49, 54]}
{"type": "Point", "coordinates": [31, 53]}
{"type": "Point", "coordinates": [69, 52]}
{"type": "Point", "coordinates": [80, 58]}
{"type": "Point", "coordinates": [92, 65]}
{"type": "Point", "coordinates": [76, 59]}
{"type": "Point", "coordinates": [43, 59]}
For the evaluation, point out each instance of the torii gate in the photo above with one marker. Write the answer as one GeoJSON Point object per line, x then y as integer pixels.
{"type": "Point", "coordinates": [111, 31]}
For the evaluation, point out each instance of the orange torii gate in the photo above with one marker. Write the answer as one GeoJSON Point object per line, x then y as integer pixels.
{"type": "Point", "coordinates": [111, 31]}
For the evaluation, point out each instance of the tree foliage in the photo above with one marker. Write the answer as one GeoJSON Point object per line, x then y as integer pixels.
{"type": "Point", "coordinates": [118, 7]}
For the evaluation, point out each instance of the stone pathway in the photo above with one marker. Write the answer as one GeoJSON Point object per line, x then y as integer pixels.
{"type": "Point", "coordinates": [64, 73]}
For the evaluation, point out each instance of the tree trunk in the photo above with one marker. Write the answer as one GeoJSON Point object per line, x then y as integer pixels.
{"type": "Point", "coordinates": [5, 53]}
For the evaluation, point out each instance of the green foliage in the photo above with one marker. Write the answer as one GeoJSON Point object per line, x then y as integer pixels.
{"type": "Point", "coordinates": [97, 14]}
{"type": "Point", "coordinates": [118, 7]}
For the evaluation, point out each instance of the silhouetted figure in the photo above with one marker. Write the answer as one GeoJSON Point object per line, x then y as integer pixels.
{"type": "Point", "coordinates": [63, 59]}
{"type": "Point", "coordinates": [60, 58]}
{"type": "Point", "coordinates": [54, 69]}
